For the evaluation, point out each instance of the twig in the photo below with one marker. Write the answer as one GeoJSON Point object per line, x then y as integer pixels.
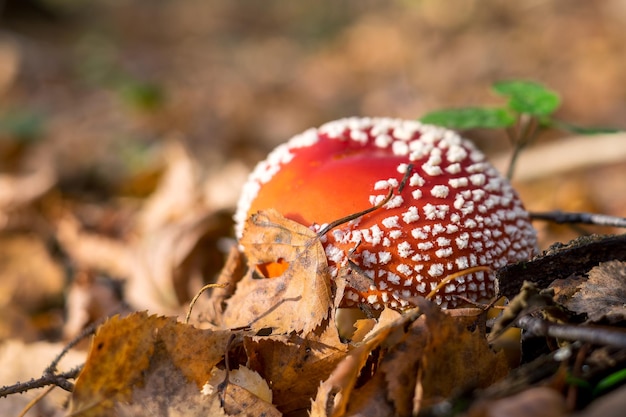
{"type": "Point", "coordinates": [86, 332]}
{"type": "Point", "coordinates": [353, 216]}
{"type": "Point", "coordinates": [60, 380]}
{"type": "Point", "coordinates": [50, 377]}
{"type": "Point", "coordinates": [558, 216]}
{"type": "Point", "coordinates": [198, 294]}
{"type": "Point", "coordinates": [595, 335]}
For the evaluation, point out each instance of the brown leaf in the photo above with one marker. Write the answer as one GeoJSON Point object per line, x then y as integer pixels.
{"type": "Point", "coordinates": [245, 394]}
{"type": "Point", "coordinates": [603, 296]}
{"type": "Point", "coordinates": [208, 311]}
{"type": "Point", "coordinates": [335, 394]}
{"type": "Point", "coordinates": [413, 361]}
{"type": "Point", "coordinates": [179, 191]}
{"type": "Point", "coordinates": [139, 356]}
{"type": "Point", "coordinates": [93, 251]}
{"type": "Point", "coordinates": [294, 365]}
{"type": "Point", "coordinates": [371, 400]}
{"type": "Point", "coordinates": [21, 189]}
{"type": "Point", "coordinates": [159, 279]}
{"type": "Point", "coordinates": [30, 277]}
{"type": "Point", "coordinates": [299, 299]}
{"type": "Point", "coordinates": [165, 391]}
{"type": "Point", "coordinates": [454, 359]}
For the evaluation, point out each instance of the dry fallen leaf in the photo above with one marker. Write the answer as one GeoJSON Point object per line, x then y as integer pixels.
{"type": "Point", "coordinates": [31, 278]}
{"type": "Point", "coordinates": [18, 190]}
{"type": "Point", "coordinates": [136, 358]}
{"type": "Point", "coordinates": [335, 394]}
{"type": "Point", "coordinates": [454, 359]}
{"type": "Point", "coordinates": [297, 300]}
{"type": "Point", "coordinates": [603, 296]}
{"type": "Point", "coordinates": [245, 393]}
{"type": "Point", "coordinates": [420, 358]}
{"type": "Point", "coordinates": [294, 366]}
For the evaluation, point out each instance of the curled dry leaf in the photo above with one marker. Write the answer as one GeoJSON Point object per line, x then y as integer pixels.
{"type": "Point", "coordinates": [414, 362]}
{"type": "Point", "coordinates": [246, 392]}
{"type": "Point", "coordinates": [208, 311]}
{"type": "Point", "coordinates": [298, 299]}
{"type": "Point", "coordinates": [17, 190]}
{"type": "Point", "coordinates": [602, 297]}
{"type": "Point", "coordinates": [137, 357]}
{"type": "Point", "coordinates": [165, 256]}
{"type": "Point", "coordinates": [178, 192]}
{"type": "Point", "coordinates": [30, 276]}
{"type": "Point", "coordinates": [334, 394]}
{"type": "Point", "coordinates": [294, 365]}
{"type": "Point", "coordinates": [244, 377]}
{"type": "Point", "coordinates": [455, 359]}
{"type": "Point", "coordinates": [93, 251]}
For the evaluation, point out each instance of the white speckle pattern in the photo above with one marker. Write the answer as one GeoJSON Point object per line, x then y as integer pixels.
{"type": "Point", "coordinates": [410, 215]}
{"type": "Point", "coordinates": [384, 257]}
{"type": "Point", "coordinates": [440, 191]}
{"type": "Point", "coordinates": [435, 270]}
{"type": "Point", "coordinates": [405, 270]}
{"type": "Point", "coordinates": [391, 222]}
{"type": "Point", "coordinates": [405, 250]}
{"type": "Point", "coordinates": [458, 211]}
{"type": "Point", "coordinates": [416, 181]}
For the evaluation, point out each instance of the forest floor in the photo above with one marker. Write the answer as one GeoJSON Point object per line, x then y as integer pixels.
{"type": "Point", "coordinates": [127, 129]}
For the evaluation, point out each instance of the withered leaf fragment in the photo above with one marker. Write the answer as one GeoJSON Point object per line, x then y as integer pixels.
{"type": "Point", "coordinates": [603, 296]}
{"type": "Point", "coordinates": [417, 360]}
{"type": "Point", "coordinates": [140, 357]}
{"type": "Point", "coordinates": [296, 301]}
{"type": "Point", "coordinates": [294, 365]}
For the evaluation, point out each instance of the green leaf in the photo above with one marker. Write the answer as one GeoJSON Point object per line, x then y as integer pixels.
{"type": "Point", "coordinates": [470, 118]}
{"type": "Point", "coordinates": [528, 97]}
{"type": "Point", "coordinates": [616, 378]}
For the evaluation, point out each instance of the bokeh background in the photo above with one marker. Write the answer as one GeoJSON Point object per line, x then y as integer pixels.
{"type": "Point", "coordinates": [99, 83]}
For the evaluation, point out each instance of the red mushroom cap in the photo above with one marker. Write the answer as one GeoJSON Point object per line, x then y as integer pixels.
{"type": "Point", "coordinates": [455, 211]}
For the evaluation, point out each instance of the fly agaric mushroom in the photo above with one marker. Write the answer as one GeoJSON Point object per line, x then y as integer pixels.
{"type": "Point", "coordinates": [454, 212]}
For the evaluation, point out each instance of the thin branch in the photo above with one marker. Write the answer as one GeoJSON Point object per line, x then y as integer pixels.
{"type": "Point", "coordinates": [595, 335]}
{"type": "Point", "coordinates": [50, 377]}
{"type": "Point", "coordinates": [558, 216]}
{"type": "Point", "coordinates": [353, 216]}
{"type": "Point", "coordinates": [60, 380]}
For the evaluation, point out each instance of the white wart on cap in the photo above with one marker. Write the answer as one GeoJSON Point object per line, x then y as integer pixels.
{"type": "Point", "coordinates": [455, 211]}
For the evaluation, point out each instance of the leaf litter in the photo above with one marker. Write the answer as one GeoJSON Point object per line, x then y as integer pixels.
{"type": "Point", "coordinates": [271, 327]}
{"type": "Point", "coordinates": [298, 357]}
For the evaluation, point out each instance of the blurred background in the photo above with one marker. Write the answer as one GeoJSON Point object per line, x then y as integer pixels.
{"type": "Point", "coordinates": [100, 83]}
{"type": "Point", "coordinates": [127, 127]}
